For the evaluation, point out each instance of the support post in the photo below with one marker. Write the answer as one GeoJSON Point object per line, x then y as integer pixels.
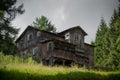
{"type": "Point", "coordinates": [51, 61]}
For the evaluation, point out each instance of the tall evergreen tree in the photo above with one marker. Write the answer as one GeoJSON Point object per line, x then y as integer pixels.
{"type": "Point", "coordinates": [44, 24]}
{"type": "Point", "coordinates": [115, 39]}
{"type": "Point", "coordinates": [107, 42]}
{"type": "Point", "coordinates": [101, 43]}
{"type": "Point", "coordinates": [8, 12]}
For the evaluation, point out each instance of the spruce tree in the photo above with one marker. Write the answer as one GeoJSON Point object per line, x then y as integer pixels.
{"type": "Point", "coordinates": [115, 39]}
{"type": "Point", "coordinates": [101, 43]}
{"type": "Point", "coordinates": [107, 42]}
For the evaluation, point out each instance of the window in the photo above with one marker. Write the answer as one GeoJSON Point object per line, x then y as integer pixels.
{"type": "Point", "coordinates": [80, 53]}
{"type": "Point", "coordinates": [50, 46]}
{"type": "Point", "coordinates": [29, 37]}
{"type": "Point", "coordinates": [21, 43]}
{"type": "Point", "coordinates": [35, 50]}
{"type": "Point", "coordinates": [38, 33]}
{"type": "Point", "coordinates": [77, 37]}
{"type": "Point", "coordinates": [80, 41]}
{"type": "Point", "coordinates": [67, 37]}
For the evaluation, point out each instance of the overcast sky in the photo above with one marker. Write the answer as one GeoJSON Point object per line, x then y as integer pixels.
{"type": "Point", "coordinates": [67, 13]}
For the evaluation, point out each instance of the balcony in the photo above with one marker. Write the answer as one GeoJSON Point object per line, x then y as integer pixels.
{"type": "Point", "coordinates": [79, 52]}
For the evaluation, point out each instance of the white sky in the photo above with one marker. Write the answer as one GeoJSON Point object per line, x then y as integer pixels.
{"type": "Point", "coordinates": [67, 13]}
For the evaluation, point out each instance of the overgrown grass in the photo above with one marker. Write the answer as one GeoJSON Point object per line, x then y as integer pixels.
{"type": "Point", "coordinates": [14, 68]}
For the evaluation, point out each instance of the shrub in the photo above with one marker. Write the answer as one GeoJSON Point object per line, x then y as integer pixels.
{"type": "Point", "coordinates": [36, 58]}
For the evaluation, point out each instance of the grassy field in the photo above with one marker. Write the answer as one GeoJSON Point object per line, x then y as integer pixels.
{"type": "Point", "coordinates": [13, 68]}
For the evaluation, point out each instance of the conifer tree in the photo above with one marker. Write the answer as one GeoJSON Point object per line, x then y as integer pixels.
{"type": "Point", "coordinates": [101, 43]}
{"type": "Point", "coordinates": [8, 12]}
{"type": "Point", "coordinates": [107, 42]}
{"type": "Point", "coordinates": [115, 39]}
{"type": "Point", "coordinates": [43, 23]}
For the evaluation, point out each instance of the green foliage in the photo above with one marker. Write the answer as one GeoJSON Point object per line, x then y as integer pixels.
{"type": "Point", "coordinates": [101, 43]}
{"type": "Point", "coordinates": [107, 42]}
{"type": "Point", "coordinates": [15, 68]}
{"type": "Point", "coordinates": [10, 59]}
{"type": "Point", "coordinates": [29, 57]}
{"type": "Point", "coordinates": [9, 9]}
{"type": "Point", "coordinates": [8, 12]}
{"type": "Point", "coordinates": [43, 23]}
{"type": "Point", "coordinates": [37, 58]}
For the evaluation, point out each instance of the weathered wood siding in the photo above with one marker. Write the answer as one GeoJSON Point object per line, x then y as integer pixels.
{"type": "Point", "coordinates": [64, 55]}
{"type": "Point", "coordinates": [80, 43]}
{"type": "Point", "coordinates": [63, 48]}
{"type": "Point", "coordinates": [89, 52]}
{"type": "Point", "coordinates": [25, 46]}
{"type": "Point", "coordinates": [60, 50]}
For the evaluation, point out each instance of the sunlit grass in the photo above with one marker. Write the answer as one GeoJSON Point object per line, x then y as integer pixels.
{"type": "Point", "coordinates": [14, 68]}
{"type": "Point", "coordinates": [45, 72]}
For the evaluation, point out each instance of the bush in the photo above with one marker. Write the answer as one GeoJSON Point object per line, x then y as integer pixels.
{"type": "Point", "coordinates": [37, 58]}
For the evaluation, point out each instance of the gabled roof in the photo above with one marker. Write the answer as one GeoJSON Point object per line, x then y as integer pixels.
{"type": "Point", "coordinates": [70, 29]}
{"type": "Point", "coordinates": [37, 30]}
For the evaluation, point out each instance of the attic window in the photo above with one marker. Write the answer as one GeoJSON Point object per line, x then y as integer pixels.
{"type": "Point", "coordinates": [77, 37]}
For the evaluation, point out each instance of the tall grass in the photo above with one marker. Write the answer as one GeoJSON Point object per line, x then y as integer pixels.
{"type": "Point", "coordinates": [7, 59]}
{"type": "Point", "coordinates": [15, 68]}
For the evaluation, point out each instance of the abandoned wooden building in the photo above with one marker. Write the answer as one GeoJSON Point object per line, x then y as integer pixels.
{"type": "Point", "coordinates": [66, 47]}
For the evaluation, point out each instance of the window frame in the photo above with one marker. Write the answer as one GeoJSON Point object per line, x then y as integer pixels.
{"type": "Point", "coordinates": [50, 46]}
{"type": "Point", "coordinates": [35, 50]}
{"type": "Point", "coordinates": [29, 37]}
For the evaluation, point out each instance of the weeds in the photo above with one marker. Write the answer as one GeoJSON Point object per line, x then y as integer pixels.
{"type": "Point", "coordinates": [15, 68]}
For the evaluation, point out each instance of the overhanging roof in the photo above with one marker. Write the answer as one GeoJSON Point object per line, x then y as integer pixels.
{"type": "Point", "coordinates": [70, 29]}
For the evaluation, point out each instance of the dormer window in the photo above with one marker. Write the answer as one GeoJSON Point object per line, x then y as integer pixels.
{"type": "Point", "coordinates": [77, 37]}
